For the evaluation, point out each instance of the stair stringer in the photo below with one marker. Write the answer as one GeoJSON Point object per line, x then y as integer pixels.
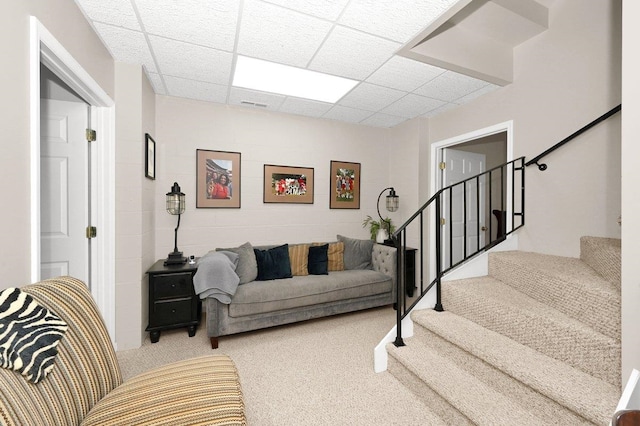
{"type": "Point", "coordinates": [475, 267]}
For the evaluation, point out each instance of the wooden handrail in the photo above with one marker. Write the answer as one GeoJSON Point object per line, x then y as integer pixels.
{"type": "Point", "coordinates": [626, 418]}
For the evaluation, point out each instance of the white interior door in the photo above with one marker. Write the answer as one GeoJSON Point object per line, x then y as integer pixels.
{"type": "Point", "coordinates": [63, 189]}
{"type": "Point", "coordinates": [464, 202]}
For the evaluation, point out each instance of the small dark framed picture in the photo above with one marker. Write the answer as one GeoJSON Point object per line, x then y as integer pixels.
{"type": "Point", "coordinates": [218, 179]}
{"type": "Point", "coordinates": [345, 185]}
{"type": "Point", "coordinates": [286, 184]}
{"type": "Point", "coordinates": [149, 157]}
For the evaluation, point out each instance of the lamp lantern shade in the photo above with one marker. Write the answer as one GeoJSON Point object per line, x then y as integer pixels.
{"type": "Point", "coordinates": [175, 206]}
{"type": "Point", "coordinates": [392, 204]}
{"type": "Point", "coordinates": [393, 201]}
{"type": "Point", "coordinates": [175, 200]}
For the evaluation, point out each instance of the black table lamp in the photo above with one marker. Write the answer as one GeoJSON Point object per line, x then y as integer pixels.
{"type": "Point", "coordinates": [175, 206]}
{"type": "Point", "coordinates": [392, 203]}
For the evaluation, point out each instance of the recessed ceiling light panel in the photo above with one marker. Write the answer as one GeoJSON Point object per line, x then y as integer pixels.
{"type": "Point", "coordinates": [267, 76]}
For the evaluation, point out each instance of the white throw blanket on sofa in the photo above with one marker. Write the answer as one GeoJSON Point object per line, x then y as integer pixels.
{"type": "Point", "coordinates": [216, 276]}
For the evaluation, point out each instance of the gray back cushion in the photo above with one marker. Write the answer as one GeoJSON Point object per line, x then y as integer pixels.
{"type": "Point", "coordinates": [357, 253]}
{"type": "Point", "coordinates": [247, 268]}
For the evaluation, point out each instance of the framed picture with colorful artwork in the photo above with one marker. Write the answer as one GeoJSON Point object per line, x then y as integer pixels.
{"type": "Point", "coordinates": [345, 185]}
{"type": "Point", "coordinates": [218, 179]}
{"type": "Point", "coordinates": [286, 184]}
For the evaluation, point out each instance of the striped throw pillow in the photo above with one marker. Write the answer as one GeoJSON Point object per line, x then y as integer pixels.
{"type": "Point", "coordinates": [299, 258]}
{"type": "Point", "coordinates": [29, 335]}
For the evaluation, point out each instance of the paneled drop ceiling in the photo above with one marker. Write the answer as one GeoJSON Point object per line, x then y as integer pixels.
{"type": "Point", "coordinates": [189, 49]}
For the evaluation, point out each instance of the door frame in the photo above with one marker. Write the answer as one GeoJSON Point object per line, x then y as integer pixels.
{"type": "Point", "coordinates": [435, 177]}
{"type": "Point", "coordinates": [45, 49]}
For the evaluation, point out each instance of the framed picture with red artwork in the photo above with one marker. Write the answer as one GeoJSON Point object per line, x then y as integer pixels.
{"type": "Point", "coordinates": [287, 184]}
{"type": "Point", "coordinates": [218, 179]}
{"type": "Point", "coordinates": [344, 187]}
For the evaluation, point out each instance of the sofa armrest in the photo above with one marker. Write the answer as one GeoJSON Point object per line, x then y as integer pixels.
{"type": "Point", "coordinates": [204, 390]}
{"type": "Point", "coordinates": [383, 259]}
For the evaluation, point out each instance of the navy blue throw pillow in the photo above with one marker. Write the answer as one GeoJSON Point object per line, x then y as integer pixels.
{"type": "Point", "coordinates": [318, 260]}
{"type": "Point", "coordinates": [273, 263]}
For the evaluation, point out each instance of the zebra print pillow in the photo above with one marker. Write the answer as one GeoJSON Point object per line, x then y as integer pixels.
{"type": "Point", "coordinates": [29, 334]}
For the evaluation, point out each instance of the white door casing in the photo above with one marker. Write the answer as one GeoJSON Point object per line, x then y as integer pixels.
{"type": "Point", "coordinates": [45, 49]}
{"type": "Point", "coordinates": [461, 165]}
{"type": "Point", "coordinates": [63, 189]}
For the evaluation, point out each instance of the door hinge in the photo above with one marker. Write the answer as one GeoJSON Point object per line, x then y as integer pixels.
{"type": "Point", "coordinates": [91, 135]}
{"type": "Point", "coordinates": [92, 232]}
{"type": "Point", "coordinates": [443, 165]}
{"type": "Point", "coordinates": [442, 221]}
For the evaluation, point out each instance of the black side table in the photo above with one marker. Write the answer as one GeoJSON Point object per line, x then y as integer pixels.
{"type": "Point", "coordinates": [173, 302]}
{"type": "Point", "coordinates": [409, 268]}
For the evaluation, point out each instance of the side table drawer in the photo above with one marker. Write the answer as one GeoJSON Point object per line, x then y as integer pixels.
{"type": "Point", "coordinates": [170, 286]}
{"type": "Point", "coordinates": [172, 312]}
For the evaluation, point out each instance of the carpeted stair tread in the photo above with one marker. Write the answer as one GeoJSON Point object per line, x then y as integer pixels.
{"type": "Point", "coordinates": [476, 400]}
{"type": "Point", "coordinates": [604, 255]}
{"type": "Point", "coordinates": [546, 408]}
{"type": "Point", "coordinates": [566, 284]}
{"type": "Point", "coordinates": [498, 307]}
{"type": "Point", "coordinates": [446, 413]}
{"type": "Point", "coordinates": [592, 398]}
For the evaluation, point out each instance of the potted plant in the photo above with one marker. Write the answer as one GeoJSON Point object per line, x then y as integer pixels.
{"type": "Point", "coordinates": [377, 228]}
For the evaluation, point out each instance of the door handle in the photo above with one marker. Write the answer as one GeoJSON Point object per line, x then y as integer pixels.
{"type": "Point", "coordinates": [484, 228]}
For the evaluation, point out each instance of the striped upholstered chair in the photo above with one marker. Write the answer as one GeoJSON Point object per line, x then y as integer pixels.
{"type": "Point", "coordinates": [85, 386]}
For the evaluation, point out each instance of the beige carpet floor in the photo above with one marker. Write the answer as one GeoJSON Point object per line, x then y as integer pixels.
{"type": "Point", "coordinates": [318, 372]}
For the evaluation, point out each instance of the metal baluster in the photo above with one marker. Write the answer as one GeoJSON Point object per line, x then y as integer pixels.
{"type": "Point", "coordinates": [490, 205]}
{"type": "Point", "coordinates": [438, 306]}
{"type": "Point", "coordinates": [478, 213]}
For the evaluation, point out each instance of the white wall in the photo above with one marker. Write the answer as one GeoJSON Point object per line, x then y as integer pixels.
{"type": "Point", "coordinates": [563, 79]}
{"type": "Point", "coordinates": [262, 137]}
{"type": "Point", "coordinates": [135, 200]}
{"type": "Point", "coordinates": [630, 198]}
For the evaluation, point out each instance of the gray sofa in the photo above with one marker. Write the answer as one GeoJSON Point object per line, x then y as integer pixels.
{"type": "Point", "coordinates": [261, 304]}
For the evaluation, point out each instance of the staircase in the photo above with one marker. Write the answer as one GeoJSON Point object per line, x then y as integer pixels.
{"type": "Point", "coordinates": [536, 342]}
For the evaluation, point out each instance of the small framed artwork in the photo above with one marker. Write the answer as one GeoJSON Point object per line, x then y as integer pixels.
{"type": "Point", "coordinates": [345, 185]}
{"type": "Point", "coordinates": [149, 157]}
{"type": "Point", "coordinates": [285, 184]}
{"type": "Point", "coordinates": [218, 179]}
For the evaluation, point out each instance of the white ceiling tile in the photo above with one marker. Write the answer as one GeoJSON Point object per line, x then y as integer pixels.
{"type": "Point", "coordinates": [383, 120]}
{"type": "Point", "coordinates": [191, 89]}
{"type": "Point", "coordinates": [190, 61]}
{"type": "Point", "coordinates": [352, 54]}
{"type": "Point", "coordinates": [370, 97]}
{"type": "Point", "coordinates": [352, 115]}
{"type": "Point", "coordinates": [280, 35]}
{"type": "Point", "coordinates": [156, 82]}
{"type": "Point", "coordinates": [187, 49]}
{"type": "Point", "coordinates": [305, 107]}
{"type": "Point", "coordinates": [270, 100]}
{"type": "Point", "coordinates": [443, 108]}
{"type": "Point", "coordinates": [207, 23]}
{"type": "Point", "coordinates": [114, 12]}
{"type": "Point", "coordinates": [326, 9]}
{"type": "Point", "coordinates": [450, 86]}
{"type": "Point", "coordinates": [473, 95]}
{"type": "Point", "coordinates": [404, 74]}
{"type": "Point", "coordinates": [382, 17]}
{"type": "Point", "coordinates": [412, 106]}
{"type": "Point", "coordinates": [126, 45]}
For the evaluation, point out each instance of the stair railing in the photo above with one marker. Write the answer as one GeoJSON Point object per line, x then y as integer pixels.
{"type": "Point", "coordinates": [456, 213]}
{"type": "Point", "coordinates": [543, 166]}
